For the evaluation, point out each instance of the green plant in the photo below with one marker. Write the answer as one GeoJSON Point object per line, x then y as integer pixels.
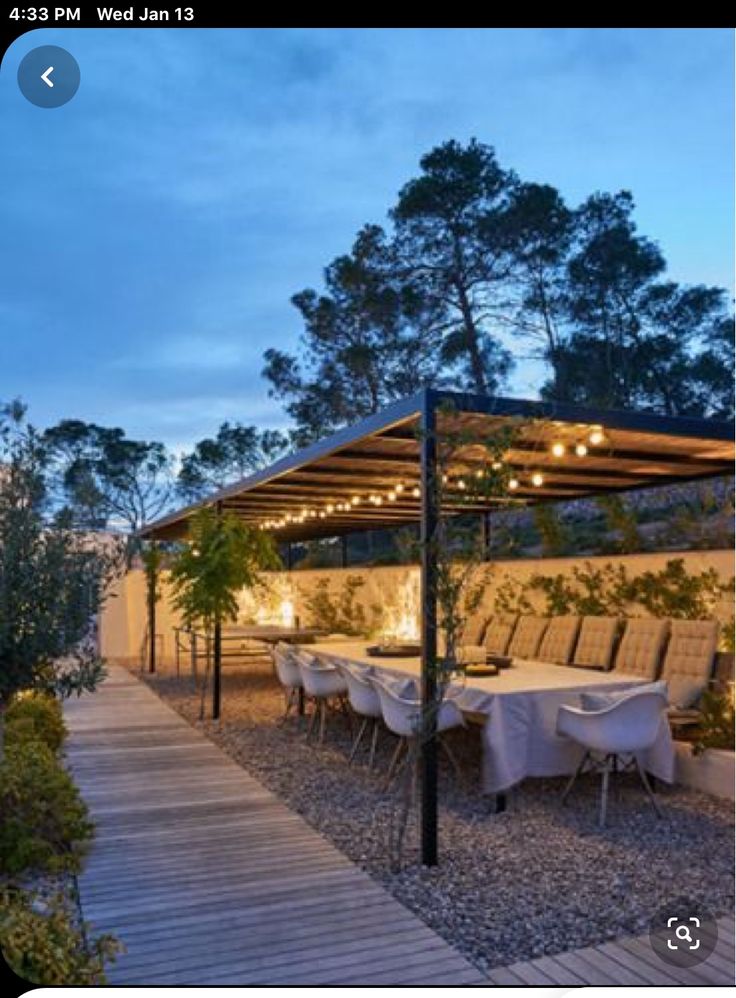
{"type": "Point", "coordinates": [340, 613]}
{"type": "Point", "coordinates": [222, 556]}
{"type": "Point", "coordinates": [555, 540]}
{"type": "Point", "coordinates": [716, 728]}
{"type": "Point", "coordinates": [674, 592]}
{"type": "Point", "coordinates": [53, 578]}
{"type": "Point", "coordinates": [43, 821]}
{"type": "Point", "coordinates": [41, 943]}
{"type": "Point", "coordinates": [621, 520]}
{"type": "Point", "coordinates": [510, 597]}
{"type": "Point", "coordinates": [727, 640]}
{"type": "Point", "coordinates": [557, 590]}
{"type": "Point", "coordinates": [35, 717]}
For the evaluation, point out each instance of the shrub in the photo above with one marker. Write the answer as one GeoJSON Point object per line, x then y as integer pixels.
{"type": "Point", "coordinates": [43, 821]}
{"type": "Point", "coordinates": [717, 728]}
{"type": "Point", "coordinates": [35, 717]}
{"type": "Point", "coordinates": [46, 947]}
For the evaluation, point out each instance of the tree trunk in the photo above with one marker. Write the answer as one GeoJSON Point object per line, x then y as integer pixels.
{"type": "Point", "coordinates": [471, 337]}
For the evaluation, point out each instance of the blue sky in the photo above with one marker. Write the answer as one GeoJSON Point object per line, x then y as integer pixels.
{"type": "Point", "coordinates": [154, 228]}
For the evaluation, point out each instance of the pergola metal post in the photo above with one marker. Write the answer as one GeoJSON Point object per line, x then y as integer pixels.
{"type": "Point", "coordinates": [152, 583]}
{"type": "Point", "coordinates": [486, 534]}
{"type": "Point", "coordinates": [344, 551]}
{"type": "Point", "coordinates": [217, 656]}
{"type": "Point", "coordinates": [429, 518]}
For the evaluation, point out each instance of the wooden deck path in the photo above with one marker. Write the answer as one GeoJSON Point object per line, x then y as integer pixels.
{"type": "Point", "coordinates": [209, 879]}
{"type": "Point", "coordinates": [626, 962]}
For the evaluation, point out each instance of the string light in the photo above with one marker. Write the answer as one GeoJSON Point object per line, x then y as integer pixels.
{"type": "Point", "coordinates": [513, 484]}
{"type": "Point", "coordinates": [596, 436]}
{"type": "Point", "coordinates": [581, 450]}
{"type": "Point", "coordinates": [399, 488]}
{"type": "Point", "coordinates": [461, 484]}
{"type": "Point", "coordinates": [415, 492]}
{"type": "Point", "coordinates": [496, 466]}
{"type": "Point", "coordinates": [392, 496]}
{"type": "Point", "coordinates": [537, 479]}
{"type": "Point", "coordinates": [558, 449]}
{"type": "Point", "coordinates": [355, 501]}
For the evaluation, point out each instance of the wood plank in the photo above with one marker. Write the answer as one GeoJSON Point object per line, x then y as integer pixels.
{"type": "Point", "coordinates": [210, 878]}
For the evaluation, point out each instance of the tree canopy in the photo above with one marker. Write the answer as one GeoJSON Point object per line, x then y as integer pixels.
{"type": "Point", "coordinates": [479, 269]}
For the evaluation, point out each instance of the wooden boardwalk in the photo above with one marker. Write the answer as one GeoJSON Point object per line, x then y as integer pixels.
{"type": "Point", "coordinates": [209, 879]}
{"type": "Point", "coordinates": [624, 962]}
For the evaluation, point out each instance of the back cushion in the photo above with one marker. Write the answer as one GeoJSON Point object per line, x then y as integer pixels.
{"type": "Point", "coordinates": [595, 644]}
{"type": "Point", "coordinates": [474, 630]}
{"type": "Point", "coordinates": [558, 640]}
{"type": "Point", "coordinates": [527, 637]}
{"type": "Point", "coordinates": [498, 634]}
{"type": "Point", "coordinates": [688, 662]}
{"type": "Point", "coordinates": [641, 647]}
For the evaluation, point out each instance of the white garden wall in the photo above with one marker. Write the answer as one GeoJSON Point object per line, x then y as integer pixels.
{"type": "Point", "coordinates": [394, 589]}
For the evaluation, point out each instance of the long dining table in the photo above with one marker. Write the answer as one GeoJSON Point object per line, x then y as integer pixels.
{"type": "Point", "coordinates": [519, 709]}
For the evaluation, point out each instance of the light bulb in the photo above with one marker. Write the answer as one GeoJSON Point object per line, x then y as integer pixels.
{"type": "Point", "coordinates": [379, 501]}
{"type": "Point", "coordinates": [537, 479]}
{"type": "Point", "coordinates": [581, 450]}
{"type": "Point", "coordinates": [596, 437]}
{"type": "Point", "coordinates": [513, 484]}
{"type": "Point", "coordinates": [558, 449]}
{"type": "Point", "coordinates": [415, 492]}
{"type": "Point", "coordinates": [399, 488]}
{"type": "Point", "coordinates": [460, 484]}
{"type": "Point", "coordinates": [496, 466]}
{"type": "Point", "coordinates": [392, 496]}
{"type": "Point", "coordinates": [355, 500]}
{"type": "Point", "coordinates": [330, 508]}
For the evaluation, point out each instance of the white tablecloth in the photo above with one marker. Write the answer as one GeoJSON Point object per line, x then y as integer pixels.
{"type": "Point", "coordinates": [521, 705]}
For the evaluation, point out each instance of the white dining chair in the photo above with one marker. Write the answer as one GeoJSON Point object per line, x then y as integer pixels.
{"type": "Point", "coordinates": [403, 717]}
{"type": "Point", "coordinates": [628, 726]}
{"type": "Point", "coordinates": [288, 675]}
{"type": "Point", "coordinates": [323, 683]}
{"type": "Point", "coordinates": [364, 700]}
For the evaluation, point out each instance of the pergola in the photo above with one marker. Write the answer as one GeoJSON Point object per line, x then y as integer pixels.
{"type": "Point", "coordinates": [382, 473]}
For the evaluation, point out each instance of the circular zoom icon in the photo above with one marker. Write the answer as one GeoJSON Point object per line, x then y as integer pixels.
{"type": "Point", "coordinates": [48, 76]}
{"type": "Point", "coordinates": [683, 934]}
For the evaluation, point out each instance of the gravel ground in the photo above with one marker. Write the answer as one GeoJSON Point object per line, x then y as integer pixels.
{"type": "Point", "coordinates": [535, 880]}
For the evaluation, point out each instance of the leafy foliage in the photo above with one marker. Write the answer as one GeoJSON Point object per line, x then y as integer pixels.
{"type": "Point", "coordinates": [42, 945]}
{"type": "Point", "coordinates": [222, 556]}
{"type": "Point", "coordinates": [338, 613]}
{"type": "Point", "coordinates": [622, 521]}
{"type": "Point", "coordinates": [368, 339]}
{"type": "Point", "coordinates": [608, 590]}
{"type": "Point", "coordinates": [476, 259]}
{"type": "Point", "coordinates": [235, 452]}
{"type": "Point", "coordinates": [35, 717]}
{"type": "Point", "coordinates": [43, 821]}
{"type": "Point", "coordinates": [674, 592]}
{"type": "Point", "coordinates": [107, 479]}
{"type": "Point", "coordinates": [52, 578]}
{"type": "Point", "coordinates": [716, 728]}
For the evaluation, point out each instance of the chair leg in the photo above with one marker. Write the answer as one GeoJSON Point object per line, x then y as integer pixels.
{"type": "Point", "coordinates": [392, 764]}
{"type": "Point", "coordinates": [289, 698]}
{"type": "Point", "coordinates": [650, 793]}
{"type": "Point", "coordinates": [604, 794]}
{"type": "Point", "coordinates": [357, 740]}
{"type": "Point", "coordinates": [313, 720]}
{"type": "Point", "coordinates": [453, 761]}
{"type": "Point", "coordinates": [322, 720]}
{"type": "Point", "coordinates": [573, 778]}
{"type": "Point", "coordinates": [374, 742]}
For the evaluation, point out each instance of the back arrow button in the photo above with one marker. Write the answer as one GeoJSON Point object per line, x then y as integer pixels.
{"type": "Point", "coordinates": [45, 76]}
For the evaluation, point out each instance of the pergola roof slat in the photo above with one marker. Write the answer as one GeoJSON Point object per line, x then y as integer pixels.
{"type": "Point", "coordinates": [382, 452]}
